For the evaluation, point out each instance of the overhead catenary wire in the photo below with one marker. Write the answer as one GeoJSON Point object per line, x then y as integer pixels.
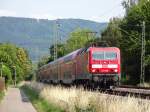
{"type": "Point", "coordinates": [109, 10]}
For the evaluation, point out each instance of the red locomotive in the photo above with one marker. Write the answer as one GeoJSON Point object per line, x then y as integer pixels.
{"type": "Point", "coordinates": [88, 66]}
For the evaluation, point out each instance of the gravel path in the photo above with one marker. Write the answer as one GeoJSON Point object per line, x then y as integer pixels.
{"type": "Point", "coordinates": [16, 101]}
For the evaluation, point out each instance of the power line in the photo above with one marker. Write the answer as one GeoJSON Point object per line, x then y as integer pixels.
{"type": "Point", "coordinates": [110, 10]}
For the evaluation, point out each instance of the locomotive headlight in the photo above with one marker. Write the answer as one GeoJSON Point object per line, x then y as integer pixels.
{"type": "Point", "coordinates": [93, 70]}
{"type": "Point", "coordinates": [115, 70]}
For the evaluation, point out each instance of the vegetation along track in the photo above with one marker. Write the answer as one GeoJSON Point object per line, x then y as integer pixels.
{"type": "Point", "coordinates": [124, 90]}
{"type": "Point", "coordinates": [138, 92]}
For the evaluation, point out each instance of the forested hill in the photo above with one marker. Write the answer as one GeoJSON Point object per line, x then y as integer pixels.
{"type": "Point", "coordinates": [37, 35]}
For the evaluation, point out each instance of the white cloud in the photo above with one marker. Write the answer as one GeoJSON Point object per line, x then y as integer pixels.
{"type": "Point", "coordinates": [7, 13]}
{"type": "Point", "coordinates": [44, 16]}
{"type": "Point", "coordinates": [98, 19]}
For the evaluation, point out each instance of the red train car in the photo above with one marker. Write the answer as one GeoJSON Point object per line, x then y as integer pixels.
{"type": "Point", "coordinates": [89, 66]}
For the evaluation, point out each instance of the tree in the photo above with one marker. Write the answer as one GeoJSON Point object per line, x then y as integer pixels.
{"type": "Point", "coordinates": [112, 35]}
{"type": "Point", "coordinates": [24, 62]}
{"type": "Point", "coordinates": [131, 41]}
{"type": "Point", "coordinates": [78, 39]}
{"type": "Point", "coordinates": [11, 56]}
{"type": "Point", "coordinates": [44, 60]}
{"type": "Point", "coordinates": [7, 74]}
{"type": "Point", "coordinates": [126, 34]}
{"type": "Point", "coordinates": [60, 51]}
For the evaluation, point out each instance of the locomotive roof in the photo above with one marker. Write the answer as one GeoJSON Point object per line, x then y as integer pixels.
{"type": "Point", "coordinates": [68, 57]}
{"type": "Point", "coordinates": [105, 47]}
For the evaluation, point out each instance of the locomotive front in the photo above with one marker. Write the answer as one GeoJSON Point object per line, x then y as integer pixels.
{"type": "Point", "coordinates": [104, 65]}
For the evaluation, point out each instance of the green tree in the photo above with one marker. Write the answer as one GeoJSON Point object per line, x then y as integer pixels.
{"type": "Point", "coordinates": [44, 60]}
{"type": "Point", "coordinates": [11, 56]}
{"type": "Point", "coordinates": [23, 61]}
{"type": "Point", "coordinates": [126, 34]}
{"type": "Point", "coordinates": [131, 40]}
{"type": "Point", "coordinates": [6, 72]}
{"type": "Point", "coordinates": [78, 39]}
{"type": "Point", "coordinates": [60, 51]}
{"type": "Point", "coordinates": [112, 34]}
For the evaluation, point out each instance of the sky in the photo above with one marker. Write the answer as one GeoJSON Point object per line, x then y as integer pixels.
{"type": "Point", "coordinates": [96, 10]}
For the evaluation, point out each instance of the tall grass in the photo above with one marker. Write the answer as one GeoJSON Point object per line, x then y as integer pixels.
{"type": "Point", "coordinates": [1, 95]}
{"type": "Point", "coordinates": [40, 104]}
{"type": "Point", "coordinates": [144, 85]}
{"type": "Point", "coordinates": [78, 100]}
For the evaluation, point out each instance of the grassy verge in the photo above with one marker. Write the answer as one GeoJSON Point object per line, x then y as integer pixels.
{"type": "Point", "coordinates": [39, 103]}
{"type": "Point", "coordinates": [1, 95]}
{"type": "Point", "coordinates": [79, 100]}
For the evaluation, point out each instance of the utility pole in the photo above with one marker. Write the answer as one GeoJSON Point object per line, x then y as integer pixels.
{"type": "Point", "coordinates": [56, 25]}
{"type": "Point", "coordinates": [15, 74]}
{"type": "Point", "coordinates": [132, 2]}
{"type": "Point", "coordinates": [142, 77]}
{"type": "Point", "coordinates": [1, 69]}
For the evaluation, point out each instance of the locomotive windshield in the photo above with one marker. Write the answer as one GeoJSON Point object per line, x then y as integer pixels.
{"type": "Point", "coordinates": [104, 55]}
{"type": "Point", "coordinates": [110, 55]}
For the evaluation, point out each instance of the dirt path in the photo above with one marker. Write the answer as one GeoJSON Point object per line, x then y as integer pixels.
{"type": "Point", "coordinates": [16, 101]}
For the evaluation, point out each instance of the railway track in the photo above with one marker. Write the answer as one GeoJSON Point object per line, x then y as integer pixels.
{"type": "Point", "coordinates": [124, 90]}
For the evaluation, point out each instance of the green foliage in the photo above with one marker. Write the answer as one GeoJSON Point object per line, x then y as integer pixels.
{"type": "Point", "coordinates": [112, 35]}
{"type": "Point", "coordinates": [60, 51]}
{"type": "Point", "coordinates": [132, 24]}
{"type": "Point", "coordinates": [77, 39]}
{"type": "Point", "coordinates": [14, 58]}
{"type": "Point", "coordinates": [1, 95]}
{"type": "Point", "coordinates": [7, 74]}
{"type": "Point", "coordinates": [126, 33]}
{"type": "Point", "coordinates": [44, 60]}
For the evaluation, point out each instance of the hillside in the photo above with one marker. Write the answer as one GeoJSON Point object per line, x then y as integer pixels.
{"type": "Point", "coordinates": [37, 35]}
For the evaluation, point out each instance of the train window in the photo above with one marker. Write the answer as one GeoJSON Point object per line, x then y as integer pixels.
{"type": "Point", "coordinates": [87, 50]}
{"type": "Point", "coordinates": [104, 55]}
{"type": "Point", "coordinates": [82, 51]}
{"type": "Point", "coordinates": [110, 55]}
{"type": "Point", "coordinates": [98, 55]}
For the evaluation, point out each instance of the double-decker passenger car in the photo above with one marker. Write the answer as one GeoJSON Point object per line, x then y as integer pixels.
{"type": "Point", "coordinates": [88, 66]}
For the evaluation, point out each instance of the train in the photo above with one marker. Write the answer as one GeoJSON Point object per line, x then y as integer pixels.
{"type": "Point", "coordinates": [92, 66]}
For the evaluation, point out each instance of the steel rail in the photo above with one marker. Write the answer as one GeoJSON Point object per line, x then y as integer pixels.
{"type": "Point", "coordinates": [137, 92]}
